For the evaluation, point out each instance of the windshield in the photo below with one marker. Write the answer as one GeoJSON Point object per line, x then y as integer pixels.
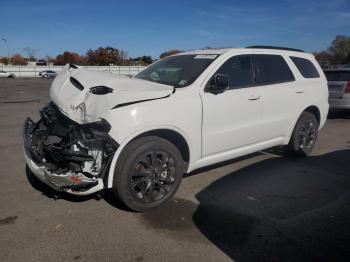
{"type": "Point", "coordinates": [177, 71]}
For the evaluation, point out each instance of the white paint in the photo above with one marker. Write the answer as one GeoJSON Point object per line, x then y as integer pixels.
{"type": "Point", "coordinates": [216, 127]}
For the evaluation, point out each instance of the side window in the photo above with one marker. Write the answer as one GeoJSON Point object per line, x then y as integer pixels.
{"type": "Point", "coordinates": [305, 67]}
{"type": "Point", "coordinates": [271, 69]}
{"type": "Point", "coordinates": [239, 69]}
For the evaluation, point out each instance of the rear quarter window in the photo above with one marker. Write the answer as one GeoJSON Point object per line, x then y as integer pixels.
{"type": "Point", "coordinates": [305, 67]}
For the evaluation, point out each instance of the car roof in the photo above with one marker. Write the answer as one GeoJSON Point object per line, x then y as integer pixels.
{"type": "Point", "coordinates": [212, 51]}
{"type": "Point", "coordinates": [336, 69]}
{"type": "Point", "coordinates": [220, 51]}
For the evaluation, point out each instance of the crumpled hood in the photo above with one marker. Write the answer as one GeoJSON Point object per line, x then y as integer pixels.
{"type": "Point", "coordinates": [70, 97]}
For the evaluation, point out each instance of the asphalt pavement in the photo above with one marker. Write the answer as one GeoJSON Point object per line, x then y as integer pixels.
{"type": "Point", "coordinates": [262, 207]}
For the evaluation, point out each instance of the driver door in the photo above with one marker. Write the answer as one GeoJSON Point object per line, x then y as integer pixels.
{"type": "Point", "coordinates": [232, 119]}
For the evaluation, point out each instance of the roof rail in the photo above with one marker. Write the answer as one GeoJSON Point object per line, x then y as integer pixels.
{"type": "Point", "coordinates": [275, 47]}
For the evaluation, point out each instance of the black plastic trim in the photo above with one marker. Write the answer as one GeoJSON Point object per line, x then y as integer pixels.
{"type": "Point", "coordinates": [101, 90]}
{"type": "Point", "coordinates": [275, 47]}
{"type": "Point", "coordinates": [72, 66]}
{"type": "Point", "coordinates": [139, 101]}
{"type": "Point", "coordinates": [27, 130]}
{"type": "Point", "coordinates": [76, 83]}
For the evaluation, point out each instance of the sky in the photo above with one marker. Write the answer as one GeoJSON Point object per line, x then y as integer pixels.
{"type": "Point", "coordinates": [151, 27]}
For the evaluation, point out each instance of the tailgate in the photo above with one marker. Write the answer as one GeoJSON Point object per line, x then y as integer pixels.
{"type": "Point", "coordinates": [336, 89]}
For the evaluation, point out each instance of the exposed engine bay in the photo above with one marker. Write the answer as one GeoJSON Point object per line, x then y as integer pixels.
{"type": "Point", "coordinates": [74, 156]}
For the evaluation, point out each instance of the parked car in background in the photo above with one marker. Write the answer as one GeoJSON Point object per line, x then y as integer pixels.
{"type": "Point", "coordinates": [339, 87]}
{"type": "Point", "coordinates": [6, 74]}
{"type": "Point", "coordinates": [139, 135]}
{"type": "Point", "coordinates": [47, 73]}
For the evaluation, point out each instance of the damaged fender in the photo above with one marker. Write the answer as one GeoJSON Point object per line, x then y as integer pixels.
{"type": "Point", "coordinates": [70, 148]}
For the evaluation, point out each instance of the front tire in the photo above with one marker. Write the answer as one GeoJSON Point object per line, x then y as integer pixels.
{"type": "Point", "coordinates": [304, 135]}
{"type": "Point", "coordinates": [148, 173]}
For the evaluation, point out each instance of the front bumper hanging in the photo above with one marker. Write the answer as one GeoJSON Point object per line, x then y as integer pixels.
{"type": "Point", "coordinates": [67, 156]}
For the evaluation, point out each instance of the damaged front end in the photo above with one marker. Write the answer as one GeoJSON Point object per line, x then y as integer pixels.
{"type": "Point", "coordinates": [68, 156]}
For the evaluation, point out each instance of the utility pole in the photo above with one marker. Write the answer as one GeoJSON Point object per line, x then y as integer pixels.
{"type": "Point", "coordinates": [8, 50]}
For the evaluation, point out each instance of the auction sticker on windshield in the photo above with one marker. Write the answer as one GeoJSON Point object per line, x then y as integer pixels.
{"type": "Point", "coordinates": [205, 56]}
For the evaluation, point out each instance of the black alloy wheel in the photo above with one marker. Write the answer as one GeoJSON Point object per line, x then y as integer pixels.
{"type": "Point", "coordinates": [148, 173]}
{"type": "Point", "coordinates": [153, 176]}
{"type": "Point", "coordinates": [304, 135]}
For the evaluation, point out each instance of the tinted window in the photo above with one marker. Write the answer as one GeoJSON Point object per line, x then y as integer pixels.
{"type": "Point", "coordinates": [305, 67]}
{"type": "Point", "coordinates": [239, 70]}
{"type": "Point", "coordinates": [271, 69]}
{"type": "Point", "coordinates": [337, 75]}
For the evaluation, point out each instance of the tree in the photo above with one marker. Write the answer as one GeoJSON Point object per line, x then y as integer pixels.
{"type": "Point", "coordinates": [17, 59]}
{"type": "Point", "coordinates": [4, 60]}
{"type": "Point", "coordinates": [340, 49]}
{"type": "Point", "coordinates": [170, 52]}
{"type": "Point", "coordinates": [147, 59]}
{"type": "Point", "coordinates": [123, 55]}
{"type": "Point", "coordinates": [30, 51]}
{"type": "Point", "coordinates": [337, 53]}
{"type": "Point", "coordinates": [68, 58]}
{"type": "Point", "coordinates": [49, 59]}
{"type": "Point", "coordinates": [143, 60]}
{"type": "Point", "coordinates": [106, 56]}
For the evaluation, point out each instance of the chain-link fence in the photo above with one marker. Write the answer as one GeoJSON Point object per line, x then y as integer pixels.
{"type": "Point", "coordinates": [33, 71]}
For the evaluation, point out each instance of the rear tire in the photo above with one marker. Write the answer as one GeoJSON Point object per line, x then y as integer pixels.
{"type": "Point", "coordinates": [148, 173]}
{"type": "Point", "coordinates": [304, 135]}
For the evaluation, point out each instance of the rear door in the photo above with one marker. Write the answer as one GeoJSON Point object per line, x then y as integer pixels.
{"type": "Point", "coordinates": [281, 98]}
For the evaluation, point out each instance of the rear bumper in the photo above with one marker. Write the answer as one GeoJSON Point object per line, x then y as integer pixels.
{"type": "Point", "coordinates": [67, 181]}
{"type": "Point", "coordinates": [342, 103]}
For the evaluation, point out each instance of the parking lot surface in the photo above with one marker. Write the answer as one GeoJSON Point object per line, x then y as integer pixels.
{"type": "Point", "coordinates": [263, 207]}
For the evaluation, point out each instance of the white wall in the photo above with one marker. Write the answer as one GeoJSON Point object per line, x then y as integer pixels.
{"type": "Point", "coordinates": [33, 71]}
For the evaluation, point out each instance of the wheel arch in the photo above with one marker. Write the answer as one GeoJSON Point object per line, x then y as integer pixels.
{"type": "Point", "coordinates": [311, 109]}
{"type": "Point", "coordinates": [172, 134]}
{"type": "Point", "coordinates": [314, 110]}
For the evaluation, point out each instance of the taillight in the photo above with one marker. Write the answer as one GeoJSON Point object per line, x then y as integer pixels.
{"type": "Point", "coordinates": [347, 88]}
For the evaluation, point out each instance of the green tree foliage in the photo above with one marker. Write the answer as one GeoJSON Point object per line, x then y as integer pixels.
{"type": "Point", "coordinates": [337, 53]}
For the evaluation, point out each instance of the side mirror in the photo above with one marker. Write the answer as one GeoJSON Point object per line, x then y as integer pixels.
{"type": "Point", "coordinates": [218, 84]}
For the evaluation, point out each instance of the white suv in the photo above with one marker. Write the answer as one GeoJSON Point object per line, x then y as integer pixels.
{"type": "Point", "coordinates": [190, 110]}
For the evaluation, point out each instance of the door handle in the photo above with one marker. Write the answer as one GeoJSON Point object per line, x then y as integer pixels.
{"type": "Point", "coordinates": [253, 98]}
{"type": "Point", "coordinates": [299, 91]}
